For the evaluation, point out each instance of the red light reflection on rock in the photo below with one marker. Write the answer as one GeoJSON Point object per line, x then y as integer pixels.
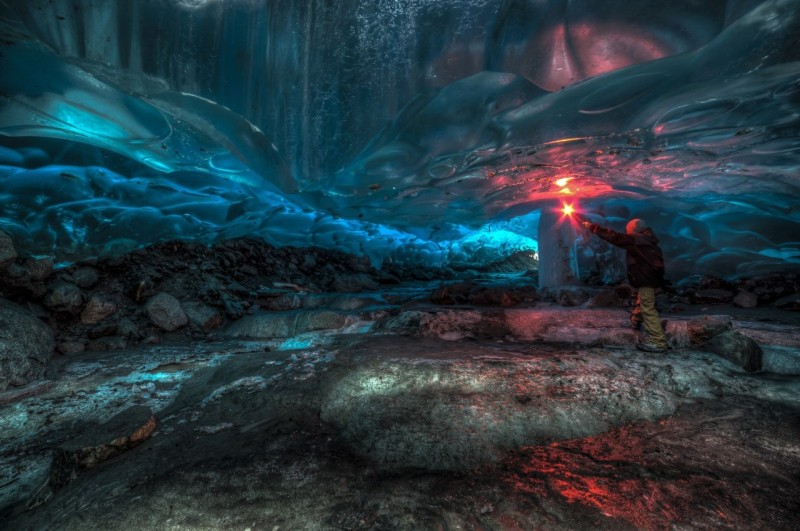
{"type": "Point", "coordinates": [611, 473]}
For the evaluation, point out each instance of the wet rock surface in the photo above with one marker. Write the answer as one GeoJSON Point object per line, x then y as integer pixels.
{"type": "Point", "coordinates": [473, 405]}
{"type": "Point", "coordinates": [124, 431]}
{"type": "Point", "coordinates": [285, 398]}
{"type": "Point", "coordinates": [177, 291]}
{"type": "Point", "coordinates": [399, 432]}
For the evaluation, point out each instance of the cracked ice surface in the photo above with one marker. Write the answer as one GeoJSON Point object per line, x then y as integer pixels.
{"type": "Point", "coordinates": [396, 130]}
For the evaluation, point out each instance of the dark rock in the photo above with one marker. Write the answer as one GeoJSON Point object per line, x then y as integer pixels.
{"type": "Point", "coordinates": [712, 296]}
{"type": "Point", "coordinates": [405, 323]}
{"type": "Point", "coordinates": [494, 297]}
{"type": "Point", "coordinates": [97, 309]}
{"type": "Point", "coordinates": [121, 259]}
{"type": "Point", "coordinates": [107, 343]}
{"type": "Point", "coordinates": [745, 299]}
{"type": "Point", "coordinates": [442, 296]}
{"type": "Point", "coordinates": [712, 283]}
{"type": "Point", "coordinates": [179, 286]}
{"type": "Point", "coordinates": [791, 303]}
{"type": "Point", "coordinates": [26, 345]}
{"type": "Point", "coordinates": [201, 315]}
{"type": "Point", "coordinates": [384, 277]}
{"type": "Point", "coordinates": [21, 282]}
{"type": "Point", "coordinates": [571, 296]}
{"type": "Point", "coordinates": [238, 289]}
{"type": "Point", "coordinates": [143, 289]}
{"type": "Point", "coordinates": [702, 329]}
{"type": "Point", "coordinates": [451, 325]}
{"type": "Point", "coordinates": [769, 288]}
{"type": "Point", "coordinates": [518, 261]}
{"type": "Point", "coordinates": [15, 270]}
{"type": "Point", "coordinates": [127, 329]}
{"type": "Point", "coordinates": [103, 329]}
{"type": "Point", "coordinates": [64, 297]}
{"type": "Point", "coordinates": [471, 293]}
{"type": "Point", "coordinates": [71, 347]}
{"type": "Point", "coordinates": [737, 348]}
{"type": "Point", "coordinates": [309, 261]}
{"type": "Point", "coordinates": [211, 290]}
{"type": "Point", "coordinates": [320, 320]}
{"type": "Point", "coordinates": [353, 283]}
{"type": "Point", "coordinates": [286, 301]}
{"type": "Point", "coordinates": [36, 309]}
{"type": "Point", "coordinates": [625, 291]}
{"type": "Point", "coordinates": [248, 269]}
{"type": "Point", "coordinates": [85, 277]}
{"type": "Point", "coordinates": [234, 308]}
{"type": "Point", "coordinates": [606, 299]}
{"type": "Point", "coordinates": [314, 301]}
{"type": "Point", "coordinates": [165, 312]}
{"type": "Point", "coordinates": [38, 269]}
{"type": "Point", "coordinates": [8, 254]}
{"type": "Point", "coordinates": [121, 433]}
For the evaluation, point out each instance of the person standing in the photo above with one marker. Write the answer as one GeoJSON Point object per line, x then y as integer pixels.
{"type": "Point", "coordinates": [645, 264]}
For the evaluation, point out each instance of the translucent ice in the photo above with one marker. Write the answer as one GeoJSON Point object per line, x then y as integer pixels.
{"type": "Point", "coordinates": [397, 129]}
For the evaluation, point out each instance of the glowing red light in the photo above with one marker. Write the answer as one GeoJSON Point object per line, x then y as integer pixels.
{"type": "Point", "coordinates": [568, 209]}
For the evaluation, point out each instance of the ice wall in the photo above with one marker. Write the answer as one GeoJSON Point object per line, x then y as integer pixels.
{"type": "Point", "coordinates": [393, 129]}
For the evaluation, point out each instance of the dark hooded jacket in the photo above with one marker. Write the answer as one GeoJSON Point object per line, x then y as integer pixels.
{"type": "Point", "coordinates": [642, 255]}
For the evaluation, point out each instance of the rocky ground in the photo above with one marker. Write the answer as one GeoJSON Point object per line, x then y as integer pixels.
{"type": "Point", "coordinates": [242, 386]}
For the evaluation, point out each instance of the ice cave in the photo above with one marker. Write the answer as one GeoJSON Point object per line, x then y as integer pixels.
{"type": "Point", "coordinates": [399, 264]}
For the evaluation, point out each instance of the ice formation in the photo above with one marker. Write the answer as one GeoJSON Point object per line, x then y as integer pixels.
{"type": "Point", "coordinates": [419, 131]}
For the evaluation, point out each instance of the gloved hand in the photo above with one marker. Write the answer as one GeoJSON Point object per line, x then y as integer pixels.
{"type": "Point", "coordinates": [580, 218]}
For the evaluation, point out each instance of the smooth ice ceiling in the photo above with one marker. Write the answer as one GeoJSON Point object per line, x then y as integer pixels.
{"type": "Point", "coordinates": [396, 128]}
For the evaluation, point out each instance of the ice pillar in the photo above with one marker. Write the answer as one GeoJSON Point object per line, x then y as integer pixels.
{"type": "Point", "coordinates": [556, 241]}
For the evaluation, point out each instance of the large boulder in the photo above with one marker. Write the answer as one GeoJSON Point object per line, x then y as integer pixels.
{"type": "Point", "coordinates": [165, 312]}
{"type": "Point", "coordinates": [702, 329]}
{"type": "Point", "coordinates": [64, 297]}
{"type": "Point", "coordinates": [737, 348]}
{"type": "Point", "coordinates": [85, 277]}
{"type": "Point", "coordinates": [26, 345]}
{"type": "Point", "coordinates": [38, 269]}
{"type": "Point", "coordinates": [7, 252]}
{"type": "Point", "coordinates": [403, 407]}
{"type": "Point", "coordinates": [97, 309]}
{"type": "Point", "coordinates": [683, 333]}
{"type": "Point", "coordinates": [745, 299]}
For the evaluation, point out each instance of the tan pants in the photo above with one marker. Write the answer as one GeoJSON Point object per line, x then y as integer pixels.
{"type": "Point", "coordinates": [646, 312]}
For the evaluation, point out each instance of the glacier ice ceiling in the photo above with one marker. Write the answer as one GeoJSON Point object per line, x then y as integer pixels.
{"type": "Point", "coordinates": [404, 130]}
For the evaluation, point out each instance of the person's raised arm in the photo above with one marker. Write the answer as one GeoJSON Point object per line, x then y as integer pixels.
{"type": "Point", "coordinates": [611, 236]}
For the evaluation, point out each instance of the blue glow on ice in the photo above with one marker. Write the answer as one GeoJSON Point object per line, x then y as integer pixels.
{"type": "Point", "coordinates": [296, 343]}
{"type": "Point", "coordinates": [402, 134]}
